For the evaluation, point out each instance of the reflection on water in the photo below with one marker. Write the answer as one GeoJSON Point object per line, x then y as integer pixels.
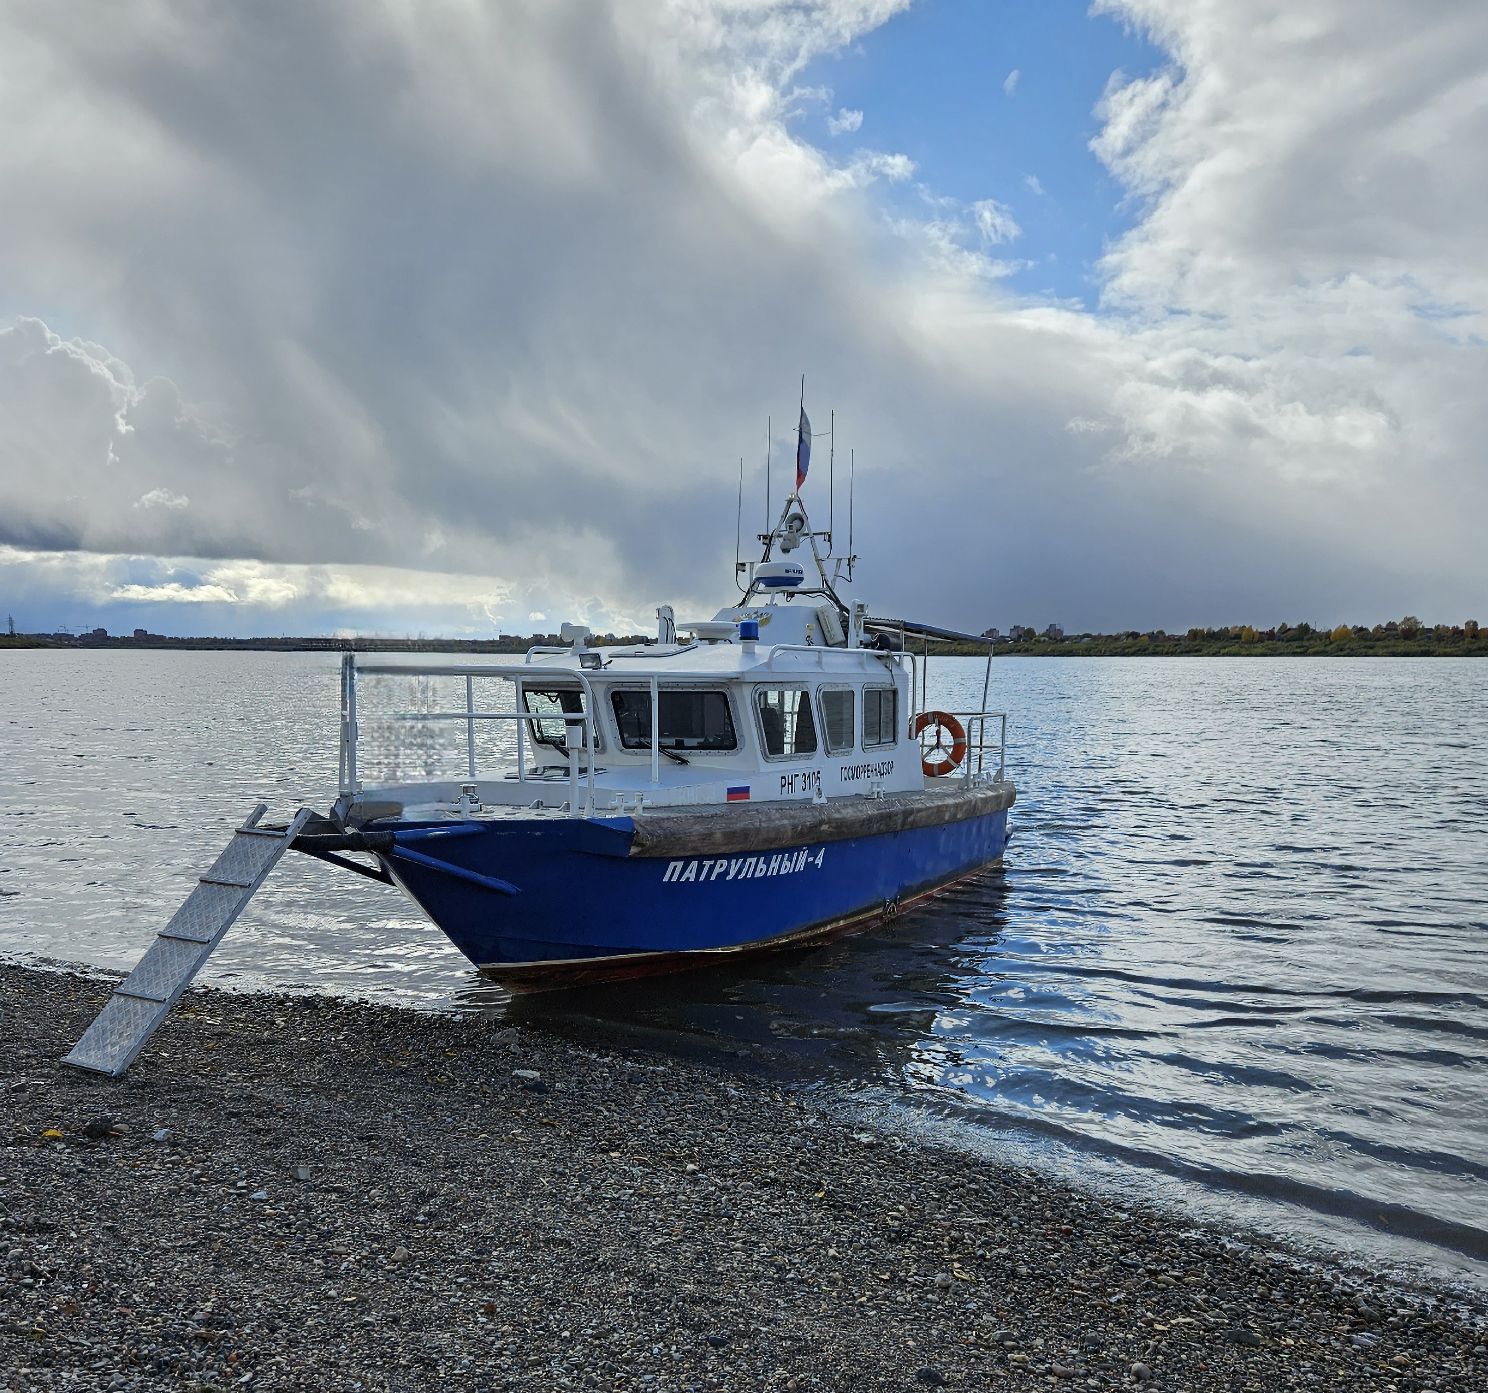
{"type": "Point", "coordinates": [1238, 944]}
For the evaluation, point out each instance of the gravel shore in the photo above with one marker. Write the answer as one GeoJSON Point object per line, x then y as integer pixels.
{"type": "Point", "coordinates": [300, 1192]}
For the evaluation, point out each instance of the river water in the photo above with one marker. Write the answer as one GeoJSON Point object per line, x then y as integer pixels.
{"type": "Point", "coordinates": [1236, 958]}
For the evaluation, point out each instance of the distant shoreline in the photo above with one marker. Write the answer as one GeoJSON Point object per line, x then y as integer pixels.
{"type": "Point", "coordinates": [1094, 646]}
{"type": "Point", "coordinates": [1144, 647]}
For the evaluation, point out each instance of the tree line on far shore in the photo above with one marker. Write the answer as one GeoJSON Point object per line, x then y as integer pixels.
{"type": "Point", "coordinates": [1407, 638]}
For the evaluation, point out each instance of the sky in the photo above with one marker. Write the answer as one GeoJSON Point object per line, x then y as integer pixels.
{"type": "Point", "coordinates": [458, 318]}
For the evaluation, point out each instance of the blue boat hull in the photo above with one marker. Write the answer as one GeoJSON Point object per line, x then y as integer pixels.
{"type": "Point", "coordinates": [540, 902]}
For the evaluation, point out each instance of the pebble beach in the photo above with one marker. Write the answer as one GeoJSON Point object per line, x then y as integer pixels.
{"type": "Point", "coordinates": [305, 1192]}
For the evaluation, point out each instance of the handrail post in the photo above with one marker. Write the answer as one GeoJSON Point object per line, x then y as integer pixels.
{"type": "Point", "coordinates": [655, 731]}
{"type": "Point", "coordinates": [521, 732]}
{"type": "Point", "coordinates": [587, 688]}
{"type": "Point", "coordinates": [589, 756]}
{"type": "Point", "coordinates": [349, 725]}
{"type": "Point", "coordinates": [470, 725]}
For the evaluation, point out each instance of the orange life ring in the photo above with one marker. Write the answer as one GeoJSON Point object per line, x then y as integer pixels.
{"type": "Point", "coordinates": [955, 753]}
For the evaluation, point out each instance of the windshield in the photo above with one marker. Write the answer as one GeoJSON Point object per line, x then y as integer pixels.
{"type": "Point", "coordinates": [686, 720]}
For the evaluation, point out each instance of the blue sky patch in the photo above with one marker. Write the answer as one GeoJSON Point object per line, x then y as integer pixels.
{"type": "Point", "coordinates": [936, 84]}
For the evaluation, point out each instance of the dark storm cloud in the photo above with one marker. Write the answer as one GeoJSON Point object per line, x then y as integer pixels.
{"type": "Point", "coordinates": [505, 290]}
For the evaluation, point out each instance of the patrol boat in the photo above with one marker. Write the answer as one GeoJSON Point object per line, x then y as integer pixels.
{"type": "Point", "coordinates": [766, 777]}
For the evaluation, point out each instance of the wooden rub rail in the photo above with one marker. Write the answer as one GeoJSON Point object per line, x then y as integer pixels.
{"type": "Point", "coordinates": [766, 826]}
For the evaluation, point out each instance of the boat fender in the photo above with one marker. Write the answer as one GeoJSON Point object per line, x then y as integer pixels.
{"type": "Point", "coordinates": [946, 726]}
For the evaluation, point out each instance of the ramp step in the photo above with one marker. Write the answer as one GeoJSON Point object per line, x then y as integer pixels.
{"type": "Point", "coordinates": [165, 963]}
{"type": "Point", "coordinates": [142, 1000]}
{"type": "Point", "coordinates": [123, 1020]}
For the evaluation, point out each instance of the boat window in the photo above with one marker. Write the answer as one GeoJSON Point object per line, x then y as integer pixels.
{"type": "Point", "coordinates": [880, 716]}
{"type": "Point", "coordinates": [686, 719]}
{"type": "Point", "coordinates": [785, 721]}
{"type": "Point", "coordinates": [554, 703]}
{"type": "Point", "coordinates": [837, 718]}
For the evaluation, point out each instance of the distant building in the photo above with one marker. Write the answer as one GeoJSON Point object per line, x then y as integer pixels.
{"type": "Point", "coordinates": [1054, 632]}
{"type": "Point", "coordinates": [98, 633]}
{"type": "Point", "coordinates": [142, 633]}
{"type": "Point", "coordinates": [993, 634]}
{"type": "Point", "coordinates": [1019, 632]}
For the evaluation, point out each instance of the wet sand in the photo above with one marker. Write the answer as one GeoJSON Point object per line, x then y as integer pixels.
{"type": "Point", "coordinates": [291, 1192]}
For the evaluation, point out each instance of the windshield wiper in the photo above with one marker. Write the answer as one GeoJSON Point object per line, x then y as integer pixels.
{"type": "Point", "coordinates": [670, 754]}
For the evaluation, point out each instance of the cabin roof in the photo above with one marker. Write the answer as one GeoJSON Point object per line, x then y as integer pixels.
{"type": "Point", "coordinates": [757, 662]}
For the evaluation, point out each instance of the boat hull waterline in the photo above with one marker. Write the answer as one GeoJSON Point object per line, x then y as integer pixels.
{"type": "Point", "coordinates": [580, 904]}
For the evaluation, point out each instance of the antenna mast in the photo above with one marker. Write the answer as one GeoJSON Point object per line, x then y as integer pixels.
{"type": "Point", "coordinates": [852, 461]}
{"type": "Point", "coordinates": [739, 523]}
{"type": "Point", "coordinates": [832, 480]}
{"type": "Point", "coordinates": [769, 437]}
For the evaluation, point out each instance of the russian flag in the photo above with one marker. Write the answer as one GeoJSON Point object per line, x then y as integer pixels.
{"type": "Point", "coordinates": [739, 795]}
{"type": "Point", "coordinates": [803, 450]}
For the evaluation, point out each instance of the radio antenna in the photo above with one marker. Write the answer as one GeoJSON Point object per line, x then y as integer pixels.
{"type": "Point", "coordinates": [739, 523]}
{"type": "Point", "coordinates": [769, 437]}
{"type": "Point", "coordinates": [852, 461]}
{"type": "Point", "coordinates": [831, 481]}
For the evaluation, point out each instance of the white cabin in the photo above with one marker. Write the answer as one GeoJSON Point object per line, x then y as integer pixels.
{"type": "Point", "coordinates": [792, 695]}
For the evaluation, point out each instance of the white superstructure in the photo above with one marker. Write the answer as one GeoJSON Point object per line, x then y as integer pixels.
{"type": "Point", "coordinates": [792, 694]}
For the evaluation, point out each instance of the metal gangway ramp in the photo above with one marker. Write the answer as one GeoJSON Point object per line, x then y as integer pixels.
{"type": "Point", "coordinates": [143, 999]}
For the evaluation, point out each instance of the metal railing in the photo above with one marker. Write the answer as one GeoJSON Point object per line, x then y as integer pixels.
{"type": "Point", "coordinates": [978, 745]}
{"type": "Point", "coordinates": [580, 754]}
{"type": "Point", "coordinates": [822, 651]}
{"type": "Point", "coordinates": [581, 765]}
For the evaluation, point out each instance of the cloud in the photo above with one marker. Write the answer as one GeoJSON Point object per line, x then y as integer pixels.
{"type": "Point", "coordinates": [92, 587]}
{"type": "Point", "coordinates": [871, 165]}
{"type": "Point", "coordinates": [510, 312]}
{"type": "Point", "coordinates": [1032, 183]}
{"type": "Point", "coordinates": [162, 498]}
{"type": "Point", "coordinates": [1246, 166]}
{"type": "Point", "coordinates": [994, 222]}
{"type": "Point", "coordinates": [173, 592]}
{"type": "Point", "coordinates": [1010, 82]}
{"type": "Point", "coordinates": [845, 122]}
